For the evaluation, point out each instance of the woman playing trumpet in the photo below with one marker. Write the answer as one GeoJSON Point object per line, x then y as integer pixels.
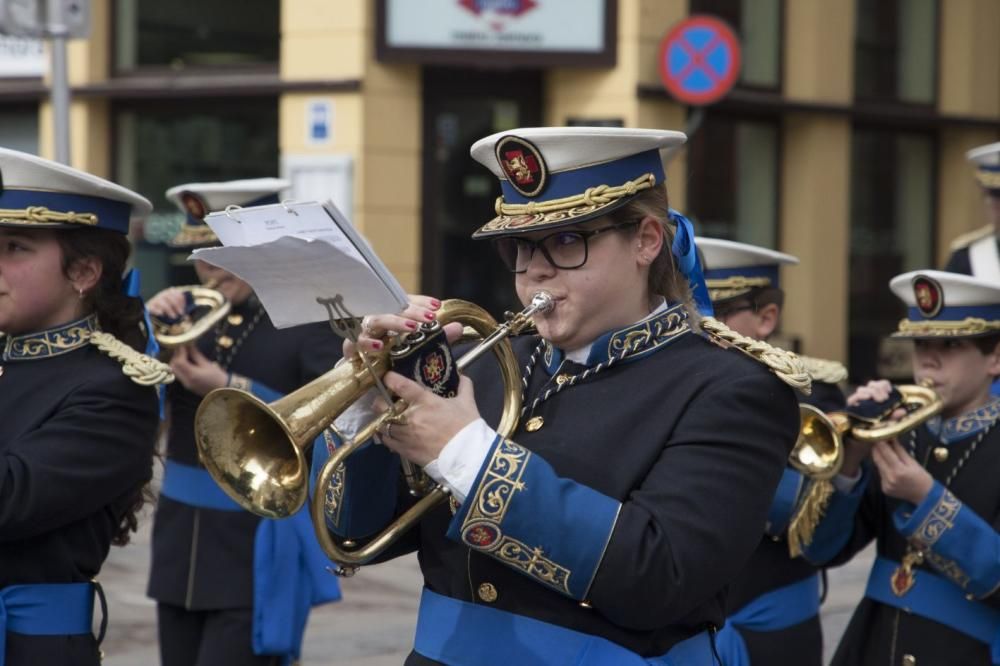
{"type": "Point", "coordinates": [928, 499]}
{"type": "Point", "coordinates": [606, 527]}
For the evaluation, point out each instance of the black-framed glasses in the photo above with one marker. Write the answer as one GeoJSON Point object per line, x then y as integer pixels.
{"type": "Point", "coordinates": [565, 249]}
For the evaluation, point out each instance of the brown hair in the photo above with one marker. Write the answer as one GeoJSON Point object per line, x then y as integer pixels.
{"type": "Point", "coordinates": [664, 277]}
{"type": "Point", "coordinates": [987, 344]}
{"type": "Point", "coordinates": [117, 313]}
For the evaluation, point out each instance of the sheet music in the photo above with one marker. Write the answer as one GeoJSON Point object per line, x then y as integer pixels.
{"type": "Point", "coordinates": [292, 254]}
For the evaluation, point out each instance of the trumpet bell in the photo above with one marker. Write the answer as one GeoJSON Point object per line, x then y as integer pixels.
{"type": "Point", "coordinates": [266, 473]}
{"type": "Point", "coordinates": [256, 451]}
{"type": "Point", "coordinates": [818, 452]}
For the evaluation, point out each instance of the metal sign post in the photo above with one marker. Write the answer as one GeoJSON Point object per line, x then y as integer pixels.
{"type": "Point", "coordinates": [58, 33]}
{"type": "Point", "coordinates": [59, 20]}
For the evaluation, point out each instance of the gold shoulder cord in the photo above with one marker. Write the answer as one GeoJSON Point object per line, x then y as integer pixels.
{"type": "Point", "coordinates": [786, 365]}
{"type": "Point", "coordinates": [141, 369]}
{"type": "Point", "coordinates": [970, 237]}
{"type": "Point", "coordinates": [822, 370]}
{"type": "Point", "coordinates": [816, 498]}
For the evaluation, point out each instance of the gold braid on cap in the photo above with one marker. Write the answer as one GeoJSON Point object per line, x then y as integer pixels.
{"type": "Point", "coordinates": [737, 285]}
{"type": "Point", "coordinates": [141, 369]}
{"type": "Point", "coordinates": [42, 215]}
{"type": "Point", "coordinates": [988, 179]}
{"type": "Point", "coordinates": [786, 365]}
{"type": "Point", "coordinates": [599, 195]}
{"type": "Point", "coordinates": [942, 329]}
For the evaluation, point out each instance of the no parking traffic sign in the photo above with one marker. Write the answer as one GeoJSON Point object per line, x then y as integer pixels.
{"type": "Point", "coordinates": [699, 60]}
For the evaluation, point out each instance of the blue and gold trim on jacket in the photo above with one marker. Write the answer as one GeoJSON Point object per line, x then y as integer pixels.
{"type": "Point", "coordinates": [954, 540]}
{"type": "Point", "coordinates": [971, 423]}
{"type": "Point", "coordinates": [632, 342]}
{"type": "Point", "coordinates": [361, 497]}
{"type": "Point", "coordinates": [549, 528]}
{"type": "Point", "coordinates": [50, 342]}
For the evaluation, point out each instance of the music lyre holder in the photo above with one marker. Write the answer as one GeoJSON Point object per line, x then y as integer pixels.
{"type": "Point", "coordinates": [348, 326]}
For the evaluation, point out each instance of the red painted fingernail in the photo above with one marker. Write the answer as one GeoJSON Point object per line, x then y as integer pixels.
{"type": "Point", "coordinates": [411, 325]}
{"type": "Point", "coordinates": [435, 303]}
{"type": "Point", "coordinates": [429, 316]}
{"type": "Point", "coordinates": [376, 344]}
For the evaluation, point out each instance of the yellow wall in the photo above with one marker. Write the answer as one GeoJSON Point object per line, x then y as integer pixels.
{"type": "Point", "coordinates": [819, 50]}
{"type": "Point", "coordinates": [815, 227]}
{"type": "Point", "coordinates": [969, 58]}
{"type": "Point", "coordinates": [378, 126]}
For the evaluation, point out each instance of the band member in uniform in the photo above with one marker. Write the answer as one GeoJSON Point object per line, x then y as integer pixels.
{"type": "Point", "coordinates": [605, 529]}
{"type": "Point", "coordinates": [224, 594]}
{"type": "Point", "coordinates": [930, 498]}
{"type": "Point", "coordinates": [978, 252]}
{"type": "Point", "coordinates": [775, 601]}
{"type": "Point", "coordinates": [78, 404]}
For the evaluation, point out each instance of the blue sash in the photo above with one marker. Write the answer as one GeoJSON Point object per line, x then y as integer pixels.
{"type": "Point", "coordinates": [195, 487]}
{"type": "Point", "coordinates": [290, 575]}
{"type": "Point", "coordinates": [459, 633]}
{"type": "Point", "coordinates": [771, 611]}
{"type": "Point", "coordinates": [45, 609]}
{"type": "Point", "coordinates": [289, 568]}
{"type": "Point", "coordinates": [938, 599]}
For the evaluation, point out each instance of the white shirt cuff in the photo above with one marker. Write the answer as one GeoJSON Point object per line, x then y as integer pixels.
{"type": "Point", "coordinates": [846, 484]}
{"type": "Point", "coordinates": [358, 415]}
{"type": "Point", "coordinates": [459, 462]}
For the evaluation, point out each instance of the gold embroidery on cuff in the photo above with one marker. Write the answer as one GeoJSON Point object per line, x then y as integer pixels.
{"type": "Point", "coordinates": [940, 520]}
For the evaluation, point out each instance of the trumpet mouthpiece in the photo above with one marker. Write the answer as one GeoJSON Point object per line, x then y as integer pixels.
{"type": "Point", "coordinates": [542, 301]}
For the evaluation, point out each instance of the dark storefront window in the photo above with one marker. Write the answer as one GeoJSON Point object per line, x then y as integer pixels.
{"type": "Point", "coordinates": [461, 106]}
{"type": "Point", "coordinates": [758, 23]}
{"type": "Point", "coordinates": [732, 189]}
{"type": "Point", "coordinates": [892, 224]}
{"type": "Point", "coordinates": [161, 144]}
{"type": "Point", "coordinates": [896, 51]}
{"type": "Point", "coordinates": [180, 34]}
{"type": "Point", "coordinates": [19, 128]}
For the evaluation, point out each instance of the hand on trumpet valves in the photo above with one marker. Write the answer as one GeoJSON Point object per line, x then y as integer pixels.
{"type": "Point", "coordinates": [429, 422]}
{"type": "Point", "coordinates": [168, 304]}
{"type": "Point", "coordinates": [900, 475]}
{"type": "Point", "coordinates": [374, 328]}
{"type": "Point", "coordinates": [856, 451]}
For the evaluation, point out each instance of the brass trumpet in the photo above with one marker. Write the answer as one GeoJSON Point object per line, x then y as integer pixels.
{"type": "Point", "coordinates": [819, 449]}
{"type": "Point", "coordinates": [256, 451]}
{"type": "Point", "coordinates": [177, 333]}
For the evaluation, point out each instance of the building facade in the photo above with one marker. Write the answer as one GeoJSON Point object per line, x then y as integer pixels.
{"type": "Point", "coordinates": [843, 142]}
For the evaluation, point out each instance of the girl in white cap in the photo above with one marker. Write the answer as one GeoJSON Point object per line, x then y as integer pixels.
{"type": "Point", "coordinates": [78, 407]}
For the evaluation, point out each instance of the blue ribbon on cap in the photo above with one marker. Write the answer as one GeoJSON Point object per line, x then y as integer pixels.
{"type": "Point", "coordinates": [131, 288]}
{"type": "Point", "coordinates": [686, 252]}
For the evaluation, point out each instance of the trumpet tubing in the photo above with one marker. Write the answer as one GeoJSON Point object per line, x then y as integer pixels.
{"type": "Point", "coordinates": [187, 330]}
{"type": "Point", "coordinates": [819, 450]}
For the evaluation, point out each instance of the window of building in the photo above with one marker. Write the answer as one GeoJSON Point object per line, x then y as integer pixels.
{"type": "Point", "coordinates": [892, 223]}
{"type": "Point", "coordinates": [161, 144]}
{"type": "Point", "coordinates": [896, 51]}
{"type": "Point", "coordinates": [732, 188]}
{"type": "Point", "coordinates": [180, 34]}
{"type": "Point", "coordinates": [758, 23]}
{"type": "Point", "coordinates": [19, 128]}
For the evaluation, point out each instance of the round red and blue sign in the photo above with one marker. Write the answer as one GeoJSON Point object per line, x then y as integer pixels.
{"type": "Point", "coordinates": [699, 60]}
